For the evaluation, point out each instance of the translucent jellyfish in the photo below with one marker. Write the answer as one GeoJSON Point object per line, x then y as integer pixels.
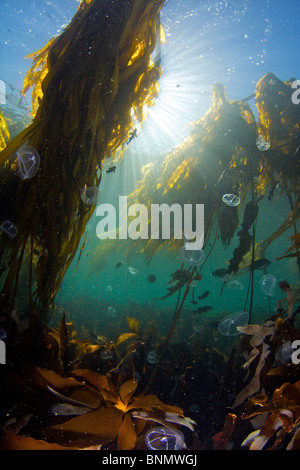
{"type": "Point", "coordinates": [132, 270]}
{"type": "Point", "coordinates": [90, 195]}
{"type": "Point", "coordinates": [3, 334]}
{"type": "Point", "coordinates": [231, 200]}
{"type": "Point", "coordinates": [164, 438]}
{"type": "Point", "coordinates": [191, 257]}
{"type": "Point", "coordinates": [194, 409]}
{"type": "Point", "coordinates": [109, 288]}
{"type": "Point", "coordinates": [262, 144]}
{"type": "Point", "coordinates": [268, 284]}
{"type": "Point", "coordinates": [284, 354]}
{"type": "Point", "coordinates": [152, 357]}
{"type": "Point", "coordinates": [28, 162]}
{"type": "Point", "coordinates": [106, 354]}
{"type": "Point", "coordinates": [111, 311]}
{"type": "Point", "coordinates": [235, 285]}
{"type": "Point", "coordinates": [9, 228]}
{"type": "Point", "coordinates": [228, 326]}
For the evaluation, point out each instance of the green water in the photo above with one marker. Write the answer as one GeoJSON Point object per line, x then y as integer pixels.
{"type": "Point", "coordinates": [233, 43]}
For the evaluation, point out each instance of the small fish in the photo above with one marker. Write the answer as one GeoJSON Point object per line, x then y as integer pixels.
{"type": "Point", "coordinates": [118, 265]}
{"type": "Point", "coordinates": [206, 308]}
{"type": "Point", "coordinates": [111, 169]}
{"type": "Point", "coordinates": [220, 273]}
{"type": "Point", "coordinates": [133, 134]}
{"type": "Point", "coordinates": [151, 278]}
{"type": "Point", "coordinates": [204, 295]}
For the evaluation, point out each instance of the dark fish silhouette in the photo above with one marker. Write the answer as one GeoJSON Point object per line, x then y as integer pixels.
{"type": "Point", "coordinates": [206, 308]}
{"type": "Point", "coordinates": [133, 134]}
{"type": "Point", "coordinates": [220, 273]}
{"type": "Point", "coordinates": [118, 265]}
{"type": "Point", "coordinates": [111, 169]}
{"type": "Point", "coordinates": [151, 278]}
{"type": "Point", "coordinates": [204, 295]}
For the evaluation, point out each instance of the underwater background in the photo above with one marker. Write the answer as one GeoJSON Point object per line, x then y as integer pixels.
{"type": "Point", "coordinates": [114, 286]}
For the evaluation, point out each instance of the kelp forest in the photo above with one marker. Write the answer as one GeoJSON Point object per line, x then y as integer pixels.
{"type": "Point", "coordinates": [90, 86]}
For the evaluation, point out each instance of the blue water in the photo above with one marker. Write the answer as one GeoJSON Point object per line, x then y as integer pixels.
{"type": "Point", "coordinates": [232, 42]}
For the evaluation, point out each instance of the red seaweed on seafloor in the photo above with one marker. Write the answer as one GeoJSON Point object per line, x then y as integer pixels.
{"type": "Point", "coordinates": [221, 439]}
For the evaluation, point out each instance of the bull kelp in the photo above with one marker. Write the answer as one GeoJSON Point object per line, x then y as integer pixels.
{"type": "Point", "coordinates": [90, 84]}
{"type": "Point", "coordinates": [138, 115]}
{"type": "Point", "coordinates": [221, 156]}
{"type": "Point", "coordinates": [228, 137]}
